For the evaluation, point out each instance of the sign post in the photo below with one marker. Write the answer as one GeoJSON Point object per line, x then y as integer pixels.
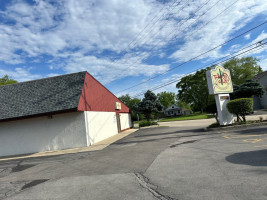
{"type": "Point", "coordinates": [220, 84]}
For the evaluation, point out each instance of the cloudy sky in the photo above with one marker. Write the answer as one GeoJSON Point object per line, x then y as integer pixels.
{"type": "Point", "coordinates": [125, 42]}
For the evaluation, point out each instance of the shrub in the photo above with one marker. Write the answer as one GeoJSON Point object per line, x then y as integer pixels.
{"type": "Point", "coordinates": [240, 107]}
{"type": "Point", "coordinates": [147, 123]}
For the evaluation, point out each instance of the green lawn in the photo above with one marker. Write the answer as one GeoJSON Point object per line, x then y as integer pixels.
{"type": "Point", "coordinates": [188, 117]}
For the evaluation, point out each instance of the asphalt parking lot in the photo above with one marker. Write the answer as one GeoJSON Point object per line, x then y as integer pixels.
{"type": "Point", "coordinates": [158, 163]}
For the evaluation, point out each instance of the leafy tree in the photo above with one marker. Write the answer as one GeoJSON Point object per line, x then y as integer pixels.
{"type": "Point", "coordinates": [166, 98]}
{"type": "Point", "coordinates": [248, 89]}
{"type": "Point", "coordinates": [6, 80]}
{"type": "Point", "coordinates": [149, 104]}
{"type": "Point", "coordinates": [193, 90]}
{"type": "Point", "coordinates": [242, 69]}
{"type": "Point", "coordinates": [128, 101]}
{"type": "Point", "coordinates": [182, 104]}
{"type": "Point", "coordinates": [240, 107]}
{"type": "Point", "coordinates": [131, 102]}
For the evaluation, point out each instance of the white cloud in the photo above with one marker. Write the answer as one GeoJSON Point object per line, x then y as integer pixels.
{"type": "Point", "coordinates": [263, 64]}
{"type": "Point", "coordinates": [74, 34]}
{"type": "Point", "coordinates": [20, 74]}
{"type": "Point", "coordinates": [247, 37]}
{"type": "Point", "coordinates": [219, 30]}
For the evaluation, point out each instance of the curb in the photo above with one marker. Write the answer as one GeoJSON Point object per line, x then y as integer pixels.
{"type": "Point", "coordinates": [236, 127]}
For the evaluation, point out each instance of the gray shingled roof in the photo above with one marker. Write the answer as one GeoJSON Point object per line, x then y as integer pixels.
{"type": "Point", "coordinates": [259, 76]}
{"type": "Point", "coordinates": [49, 95]}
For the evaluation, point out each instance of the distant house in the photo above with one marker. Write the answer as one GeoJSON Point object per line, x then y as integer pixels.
{"type": "Point", "coordinates": [174, 110]}
{"type": "Point", "coordinates": [260, 103]}
{"type": "Point", "coordinates": [62, 112]}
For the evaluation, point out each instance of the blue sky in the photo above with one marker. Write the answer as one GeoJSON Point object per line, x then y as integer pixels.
{"type": "Point", "coordinates": [124, 42]}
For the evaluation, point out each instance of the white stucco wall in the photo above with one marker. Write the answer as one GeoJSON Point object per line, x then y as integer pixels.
{"type": "Point", "coordinates": [126, 121]}
{"type": "Point", "coordinates": [100, 125]}
{"type": "Point", "coordinates": [42, 134]}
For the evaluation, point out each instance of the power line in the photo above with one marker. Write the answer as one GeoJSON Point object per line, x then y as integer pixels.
{"type": "Point", "coordinates": [213, 63]}
{"type": "Point", "coordinates": [184, 21]}
{"type": "Point", "coordinates": [141, 32]}
{"type": "Point", "coordinates": [182, 30]}
{"type": "Point", "coordinates": [220, 45]}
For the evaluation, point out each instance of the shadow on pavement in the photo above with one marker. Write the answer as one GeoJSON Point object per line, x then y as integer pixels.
{"type": "Point", "coordinates": [258, 130]}
{"type": "Point", "coordinates": [252, 158]}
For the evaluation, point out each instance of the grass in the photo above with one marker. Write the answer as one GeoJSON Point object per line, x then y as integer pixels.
{"type": "Point", "coordinates": [194, 116]}
{"type": "Point", "coordinates": [265, 110]}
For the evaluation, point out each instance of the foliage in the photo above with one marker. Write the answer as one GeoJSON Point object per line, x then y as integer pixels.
{"type": "Point", "coordinates": [130, 102]}
{"type": "Point", "coordinates": [240, 107]}
{"type": "Point", "coordinates": [194, 116]}
{"type": "Point", "coordinates": [166, 98]}
{"type": "Point", "coordinates": [147, 123]}
{"type": "Point", "coordinates": [149, 105]}
{"type": "Point", "coordinates": [6, 80]}
{"type": "Point", "coordinates": [248, 89]}
{"type": "Point", "coordinates": [182, 104]}
{"type": "Point", "coordinates": [242, 69]}
{"type": "Point", "coordinates": [193, 90]}
{"type": "Point", "coordinates": [212, 109]}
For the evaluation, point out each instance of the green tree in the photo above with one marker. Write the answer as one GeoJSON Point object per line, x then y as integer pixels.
{"type": "Point", "coordinates": [166, 98]}
{"type": "Point", "coordinates": [6, 80]}
{"type": "Point", "coordinates": [130, 103]}
{"type": "Point", "coordinates": [149, 105]}
{"type": "Point", "coordinates": [240, 107]}
{"type": "Point", "coordinates": [248, 89]}
{"type": "Point", "coordinates": [193, 90]}
{"type": "Point", "coordinates": [242, 69]}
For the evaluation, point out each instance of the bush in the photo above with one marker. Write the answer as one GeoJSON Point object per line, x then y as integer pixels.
{"type": "Point", "coordinates": [147, 123]}
{"type": "Point", "coordinates": [240, 107]}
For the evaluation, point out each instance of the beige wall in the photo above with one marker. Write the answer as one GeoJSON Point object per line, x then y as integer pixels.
{"type": "Point", "coordinates": [42, 134]}
{"type": "Point", "coordinates": [126, 121]}
{"type": "Point", "coordinates": [100, 125]}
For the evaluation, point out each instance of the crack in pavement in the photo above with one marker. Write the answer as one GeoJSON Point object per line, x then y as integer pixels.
{"type": "Point", "coordinates": [153, 189]}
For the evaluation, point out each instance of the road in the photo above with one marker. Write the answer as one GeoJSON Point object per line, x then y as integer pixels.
{"type": "Point", "coordinates": [157, 163]}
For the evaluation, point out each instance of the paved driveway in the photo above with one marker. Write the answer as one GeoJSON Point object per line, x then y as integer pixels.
{"type": "Point", "coordinates": [158, 163]}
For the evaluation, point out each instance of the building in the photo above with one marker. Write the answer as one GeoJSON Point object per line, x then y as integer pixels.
{"type": "Point", "coordinates": [260, 103]}
{"type": "Point", "coordinates": [174, 110]}
{"type": "Point", "coordinates": [62, 112]}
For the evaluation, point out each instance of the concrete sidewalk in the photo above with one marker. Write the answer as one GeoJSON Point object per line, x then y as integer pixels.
{"type": "Point", "coordinates": [95, 147]}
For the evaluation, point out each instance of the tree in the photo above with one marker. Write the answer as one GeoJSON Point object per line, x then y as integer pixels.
{"type": "Point", "coordinates": [193, 90]}
{"type": "Point", "coordinates": [6, 80]}
{"type": "Point", "coordinates": [248, 89]}
{"type": "Point", "coordinates": [242, 69]}
{"type": "Point", "coordinates": [166, 98]}
{"type": "Point", "coordinates": [240, 107]}
{"type": "Point", "coordinates": [149, 104]}
{"type": "Point", "coordinates": [130, 103]}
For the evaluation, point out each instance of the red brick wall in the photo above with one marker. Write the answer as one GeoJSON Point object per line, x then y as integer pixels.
{"type": "Point", "coordinates": [95, 97]}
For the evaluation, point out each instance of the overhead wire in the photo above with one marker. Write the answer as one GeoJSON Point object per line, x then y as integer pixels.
{"type": "Point", "coordinates": [258, 45]}
{"type": "Point", "coordinates": [191, 59]}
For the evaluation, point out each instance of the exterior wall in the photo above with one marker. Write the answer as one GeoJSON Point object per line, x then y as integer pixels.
{"type": "Point", "coordinates": [126, 121]}
{"type": "Point", "coordinates": [32, 135]}
{"type": "Point", "coordinates": [95, 97]}
{"type": "Point", "coordinates": [100, 125]}
{"type": "Point", "coordinates": [261, 102]}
